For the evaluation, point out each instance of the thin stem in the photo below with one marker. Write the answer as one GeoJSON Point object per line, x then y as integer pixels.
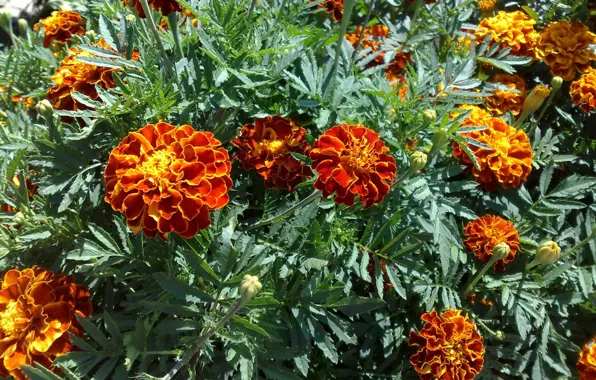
{"type": "Point", "coordinates": [479, 275]}
{"type": "Point", "coordinates": [153, 28]}
{"type": "Point", "coordinates": [315, 195]}
{"type": "Point", "coordinates": [581, 244]}
{"type": "Point", "coordinates": [415, 17]}
{"type": "Point", "coordinates": [186, 358]}
{"type": "Point", "coordinates": [366, 19]}
{"type": "Point", "coordinates": [281, 9]}
{"type": "Point", "coordinates": [173, 21]}
{"type": "Point", "coordinates": [252, 7]}
{"type": "Point", "coordinates": [345, 21]}
{"type": "Point", "coordinates": [404, 176]}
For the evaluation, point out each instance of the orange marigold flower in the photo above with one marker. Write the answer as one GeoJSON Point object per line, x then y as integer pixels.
{"type": "Point", "coordinates": [450, 347]}
{"type": "Point", "coordinates": [266, 146]}
{"type": "Point", "coordinates": [38, 310]}
{"type": "Point", "coordinates": [477, 117]}
{"type": "Point", "coordinates": [484, 233]}
{"type": "Point", "coordinates": [164, 179]}
{"type": "Point", "coordinates": [586, 365]}
{"type": "Point", "coordinates": [333, 7]}
{"type": "Point", "coordinates": [61, 26]}
{"type": "Point", "coordinates": [31, 191]}
{"type": "Point", "coordinates": [372, 39]}
{"type": "Point", "coordinates": [398, 80]}
{"type": "Point", "coordinates": [502, 101]}
{"type": "Point", "coordinates": [372, 272]}
{"type": "Point", "coordinates": [583, 91]}
{"type": "Point", "coordinates": [513, 30]}
{"type": "Point", "coordinates": [75, 76]}
{"type": "Point", "coordinates": [164, 6]}
{"type": "Point", "coordinates": [509, 162]}
{"type": "Point", "coordinates": [564, 46]}
{"type": "Point", "coordinates": [351, 160]}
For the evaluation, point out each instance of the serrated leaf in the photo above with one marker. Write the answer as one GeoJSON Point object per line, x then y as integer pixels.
{"type": "Point", "coordinates": [180, 289]}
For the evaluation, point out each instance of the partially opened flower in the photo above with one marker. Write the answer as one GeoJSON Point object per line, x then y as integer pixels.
{"type": "Point", "coordinates": [165, 179]}
{"type": "Point", "coordinates": [333, 7]}
{"type": "Point", "coordinates": [503, 101]}
{"type": "Point", "coordinates": [267, 145]}
{"type": "Point", "coordinates": [351, 161]}
{"type": "Point", "coordinates": [449, 347]}
{"type": "Point", "coordinates": [514, 30]}
{"type": "Point", "coordinates": [508, 162]}
{"type": "Point", "coordinates": [583, 91]}
{"type": "Point", "coordinates": [586, 365]}
{"type": "Point", "coordinates": [61, 26]}
{"type": "Point", "coordinates": [164, 6]}
{"type": "Point", "coordinates": [38, 311]}
{"type": "Point", "coordinates": [486, 233]}
{"type": "Point", "coordinates": [565, 47]}
{"type": "Point", "coordinates": [31, 191]}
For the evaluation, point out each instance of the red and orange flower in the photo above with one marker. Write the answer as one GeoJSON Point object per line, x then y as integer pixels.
{"type": "Point", "coordinates": [351, 160]}
{"type": "Point", "coordinates": [450, 347]}
{"type": "Point", "coordinates": [333, 7]}
{"type": "Point", "coordinates": [61, 26]}
{"type": "Point", "coordinates": [502, 100]}
{"type": "Point", "coordinates": [164, 179]}
{"type": "Point", "coordinates": [586, 365]}
{"type": "Point", "coordinates": [583, 91]}
{"type": "Point", "coordinates": [164, 6]}
{"type": "Point", "coordinates": [267, 145]}
{"type": "Point", "coordinates": [484, 233]}
{"type": "Point", "coordinates": [508, 162]}
{"type": "Point", "coordinates": [38, 310]}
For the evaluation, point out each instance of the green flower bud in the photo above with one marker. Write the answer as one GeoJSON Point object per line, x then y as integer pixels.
{"type": "Point", "coordinates": [19, 218]}
{"type": "Point", "coordinates": [91, 34]}
{"type": "Point", "coordinates": [130, 18]}
{"type": "Point", "coordinates": [23, 26]}
{"type": "Point", "coordinates": [429, 115]}
{"type": "Point", "coordinates": [499, 335]}
{"type": "Point", "coordinates": [556, 83]}
{"type": "Point", "coordinates": [501, 251]}
{"type": "Point", "coordinates": [418, 161]}
{"type": "Point", "coordinates": [44, 108]}
{"type": "Point", "coordinates": [439, 139]}
{"type": "Point", "coordinates": [548, 252]}
{"type": "Point", "coordinates": [250, 287]}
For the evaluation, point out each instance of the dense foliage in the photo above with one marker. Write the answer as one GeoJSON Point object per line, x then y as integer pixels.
{"type": "Point", "coordinates": [299, 189]}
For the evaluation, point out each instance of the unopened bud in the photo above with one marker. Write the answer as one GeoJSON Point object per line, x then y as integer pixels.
{"type": "Point", "coordinates": [130, 18]}
{"type": "Point", "coordinates": [499, 335]}
{"type": "Point", "coordinates": [439, 139]}
{"type": "Point", "coordinates": [429, 115]}
{"type": "Point", "coordinates": [486, 7]}
{"type": "Point", "coordinates": [250, 287]}
{"type": "Point", "coordinates": [19, 218]}
{"type": "Point", "coordinates": [501, 251]}
{"type": "Point", "coordinates": [556, 83]}
{"type": "Point", "coordinates": [548, 252]}
{"type": "Point", "coordinates": [536, 98]}
{"type": "Point", "coordinates": [23, 26]}
{"type": "Point", "coordinates": [44, 108]}
{"type": "Point", "coordinates": [91, 34]}
{"type": "Point", "coordinates": [418, 161]}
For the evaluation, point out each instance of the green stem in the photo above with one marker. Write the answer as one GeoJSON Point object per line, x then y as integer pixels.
{"type": "Point", "coordinates": [281, 10]}
{"type": "Point", "coordinates": [315, 195]}
{"type": "Point", "coordinates": [252, 7]}
{"type": "Point", "coordinates": [153, 28]}
{"type": "Point", "coordinates": [186, 358]}
{"type": "Point", "coordinates": [581, 244]}
{"type": "Point", "coordinates": [479, 275]}
{"type": "Point", "coordinates": [345, 21]}
{"type": "Point", "coordinates": [366, 19]}
{"type": "Point", "coordinates": [415, 17]}
{"type": "Point", "coordinates": [173, 21]}
{"type": "Point", "coordinates": [404, 176]}
{"type": "Point", "coordinates": [51, 128]}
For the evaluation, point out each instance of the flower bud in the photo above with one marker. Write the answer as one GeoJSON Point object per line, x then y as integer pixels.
{"type": "Point", "coordinates": [501, 251]}
{"type": "Point", "coordinates": [44, 108]}
{"type": "Point", "coordinates": [130, 18]}
{"type": "Point", "coordinates": [486, 7]}
{"type": "Point", "coordinates": [499, 335]}
{"type": "Point", "coordinates": [418, 161]}
{"type": "Point", "coordinates": [556, 83]}
{"type": "Point", "coordinates": [429, 115]}
{"type": "Point", "coordinates": [439, 139]}
{"type": "Point", "coordinates": [250, 287]}
{"type": "Point", "coordinates": [548, 252]}
{"type": "Point", "coordinates": [536, 98]}
{"type": "Point", "coordinates": [23, 26]}
{"type": "Point", "coordinates": [91, 34]}
{"type": "Point", "coordinates": [19, 218]}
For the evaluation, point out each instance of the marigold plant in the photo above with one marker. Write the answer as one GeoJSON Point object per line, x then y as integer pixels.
{"type": "Point", "coordinates": [164, 6]}
{"type": "Point", "coordinates": [61, 26]}
{"type": "Point", "coordinates": [484, 233]}
{"type": "Point", "coordinates": [334, 8]}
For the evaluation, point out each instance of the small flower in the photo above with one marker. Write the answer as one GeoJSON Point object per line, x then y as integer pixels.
{"type": "Point", "coordinates": [418, 161]}
{"type": "Point", "coordinates": [333, 7]}
{"type": "Point", "coordinates": [586, 365]}
{"type": "Point", "coordinates": [514, 30]}
{"type": "Point", "coordinates": [502, 101]}
{"type": "Point", "coordinates": [536, 98]}
{"type": "Point", "coordinates": [164, 179]}
{"type": "Point", "coordinates": [38, 310]}
{"type": "Point", "coordinates": [547, 253]}
{"type": "Point", "coordinates": [565, 47]}
{"type": "Point", "coordinates": [250, 287]}
{"type": "Point", "coordinates": [484, 235]}
{"type": "Point", "coordinates": [583, 91]}
{"type": "Point", "coordinates": [429, 115]}
{"type": "Point", "coordinates": [61, 26]}
{"type": "Point", "coordinates": [450, 347]}
{"type": "Point", "coordinates": [164, 6]}
{"type": "Point", "coordinates": [351, 160]}
{"type": "Point", "coordinates": [267, 145]}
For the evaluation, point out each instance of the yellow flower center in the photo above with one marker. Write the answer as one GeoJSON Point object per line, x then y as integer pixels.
{"type": "Point", "coordinates": [11, 319]}
{"type": "Point", "coordinates": [157, 164]}
{"type": "Point", "coordinates": [359, 156]}
{"type": "Point", "coordinates": [272, 147]}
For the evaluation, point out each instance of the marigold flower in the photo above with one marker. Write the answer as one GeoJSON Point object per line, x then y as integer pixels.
{"type": "Point", "coordinates": [502, 101]}
{"type": "Point", "coordinates": [398, 80]}
{"type": "Point", "coordinates": [164, 179]}
{"type": "Point", "coordinates": [509, 162]}
{"type": "Point", "coordinates": [586, 365]}
{"type": "Point", "coordinates": [583, 91]}
{"type": "Point", "coordinates": [38, 310]}
{"type": "Point", "coordinates": [564, 46]}
{"type": "Point", "coordinates": [513, 30]}
{"type": "Point", "coordinates": [450, 347]}
{"type": "Point", "coordinates": [61, 26]}
{"type": "Point", "coordinates": [164, 6]}
{"type": "Point", "coordinates": [76, 76]}
{"type": "Point", "coordinates": [477, 117]}
{"type": "Point", "coordinates": [351, 160]}
{"type": "Point", "coordinates": [266, 146]}
{"type": "Point", "coordinates": [371, 39]}
{"type": "Point", "coordinates": [333, 7]}
{"type": "Point", "coordinates": [483, 234]}
{"type": "Point", "coordinates": [487, 6]}
{"type": "Point", "coordinates": [411, 145]}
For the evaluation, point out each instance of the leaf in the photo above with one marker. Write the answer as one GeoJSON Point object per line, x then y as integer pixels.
{"type": "Point", "coordinates": [573, 186]}
{"type": "Point", "coordinates": [95, 333]}
{"type": "Point", "coordinates": [105, 238]}
{"type": "Point", "coordinates": [250, 327]}
{"type": "Point", "coordinates": [263, 302]}
{"type": "Point", "coordinates": [546, 177]}
{"type": "Point", "coordinates": [39, 372]}
{"type": "Point", "coordinates": [463, 144]}
{"type": "Point", "coordinates": [355, 305]}
{"type": "Point", "coordinates": [108, 32]}
{"type": "Point", "coordinates": [180, 289]}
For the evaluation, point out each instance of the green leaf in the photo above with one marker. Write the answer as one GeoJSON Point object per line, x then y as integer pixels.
{"type": "Point", "coordinates": [39, 372]}
{"type": "Point", "coordinates": [95, 333]}
{"type": "Point", "coordinates": [263, 302]}
{"type": "Point", "coordinates": [355, 305]}
{"type": "Point", "coordinates": [249, 327]}
{"type": "Point", "coordinates": [180, 289]}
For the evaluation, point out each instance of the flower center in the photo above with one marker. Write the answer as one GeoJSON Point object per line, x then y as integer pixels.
{"type": "Point", "coordinates": [12, 320]}
{"type": "Point", "coordinates": [454, 353]}
{"type": "Point", "coordinates": [157, 164]}
{"type": "Point", "coordinates": [272, 147]}
{"type": "Point", "coordinates": [358, 157]}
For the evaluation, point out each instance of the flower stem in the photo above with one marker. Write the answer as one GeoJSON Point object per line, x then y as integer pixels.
{"type": "Point", "coordinates": [479, 275]}
{"type": "Point", "coordinates": [173, 21]}
{"type": "Point", "coordinates": [345, 21]}
{"type": "Point", "coordinates": [186, 358]}
{"type": "Point", "coordinates": [404, 176]}
{"type": "Point", "coordinates": [252, 7]}
{"type": "Point", "coordinates": [579, 245]}
{"type": "Point", "coordinates": [153, 28]}
{"type": "Point", "coordinates": [371, 7]}
{"type": "Point", "coordinates": [415, 17]}
{"type": "Point", "coordinates": [315, 195]}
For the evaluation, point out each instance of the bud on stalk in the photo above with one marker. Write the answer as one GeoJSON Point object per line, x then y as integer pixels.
{"type": "Point", "coordinates": [250, 287]}
{"type": "Point", "coordinates": [418, 161]}
{"type": "Point", "coordinates": [546, 253]}
{"type": "Point", "coordinates": [23, 26]}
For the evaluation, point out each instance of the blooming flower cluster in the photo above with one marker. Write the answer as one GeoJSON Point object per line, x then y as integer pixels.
{"type": "Point", "coordinates": [484, 233]}
{"type": "Point", "coordinates": [513, 30]}
{"type": "Point", "coordinates": [583, 91]}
